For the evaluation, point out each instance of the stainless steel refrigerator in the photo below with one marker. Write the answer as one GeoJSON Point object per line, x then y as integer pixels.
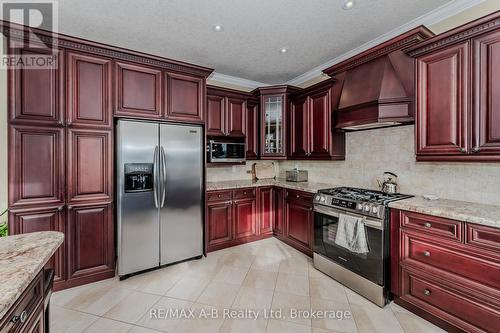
{"type": "Point", "coordinates": [159, 191]}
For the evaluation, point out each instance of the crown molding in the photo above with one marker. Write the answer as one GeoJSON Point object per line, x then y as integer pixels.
{"type": "Point", "coordinates": [236, 81]}
{"type": "Point", "coordinates": [433, 17]}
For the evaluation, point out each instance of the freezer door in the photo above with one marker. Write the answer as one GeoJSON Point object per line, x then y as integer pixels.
{"type": "Point", "coordinates": [137, 193]}
{"type": "Point", "coordinates": [181, 193]}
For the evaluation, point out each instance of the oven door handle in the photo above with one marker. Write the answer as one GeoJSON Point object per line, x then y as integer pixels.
{"type": "Point", "coordinates": [336, 213]}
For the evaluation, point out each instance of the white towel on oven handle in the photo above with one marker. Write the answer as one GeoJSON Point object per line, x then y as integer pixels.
{"type": "Point", "coordinates": [351, 234]}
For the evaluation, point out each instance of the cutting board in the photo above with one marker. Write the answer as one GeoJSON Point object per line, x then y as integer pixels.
{"type": "Point", "coordinates": [263, 170]}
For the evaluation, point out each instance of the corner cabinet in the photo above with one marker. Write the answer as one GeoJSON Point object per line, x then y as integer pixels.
{"type": "Point", "coordinates": [458, 94]}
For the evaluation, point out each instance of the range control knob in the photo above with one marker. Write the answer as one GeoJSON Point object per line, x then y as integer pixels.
{"type": "Point", "coordinates": [323, 199]}
{"type": "Point", "coordinates": [367, 208]}
{"type": "Point", "coordinates": [359, 206]}
{"type": "Point", "coordinates": [374, 210]}
{"type": "Point", "coordinates": [317, 197]}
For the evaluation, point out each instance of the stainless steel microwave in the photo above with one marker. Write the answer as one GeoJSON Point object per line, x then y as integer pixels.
{"type": "Point", "coordinates": [224, 152]}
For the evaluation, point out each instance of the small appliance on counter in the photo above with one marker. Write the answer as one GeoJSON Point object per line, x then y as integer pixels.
{"type": "Point", "coordinates": [389, 184]}
{"type": "Point", "coordinates": [296, 175]}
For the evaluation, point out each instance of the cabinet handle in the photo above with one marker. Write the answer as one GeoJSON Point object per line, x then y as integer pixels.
{"type": "Point", "coordinates": [475, 150]}
{"type": "Point", "coordinates": [69, 123]}
{"type": "Point", "coordinates": [60, 208]}
{"type": "Point", "coordinates": [60, 123]}
{"type": "Point", "coordinates": [70, 207]}
{"type": "Point", "coordinates": [427, 225]}
{"type": "Point", "coordinates": [463, 150]}
{"type": "Point", "coordinates": [21, 318]}
{"type": "Point", "coordinates": [427, 292]}
{"type": "Point", "coordinates": [427, 253]}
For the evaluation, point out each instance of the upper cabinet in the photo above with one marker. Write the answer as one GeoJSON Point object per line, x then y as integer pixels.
{"type": "Point", "coordinates": [458, 104]}
{"type": "Point", "coordinates": [184, 98]}
{"type": "Point", "coordinates": [138, 91]}
{"type": "Point", "coordinates": [89, 91]}
{"type": "Point", "coordinates": [37, 95]}
{"type": "Point", "coordinates": [311, 132]}
{"type": "Point", "coordinates": [252, 129]}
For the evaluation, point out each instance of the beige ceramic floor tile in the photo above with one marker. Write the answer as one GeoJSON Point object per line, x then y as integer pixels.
{"type": "Point", "coordinates": [159, 318]}
{"type": "Point", "coordinates": [219, 294]}
{"type": "Point", "coordinates": [69, 321]}
{"type": "Point", "coordinates": [108, 326]}
{"type": "Point", "coordinates": [327, 288]}
{"type": "Point", "coordinates": [238, 260]}
{"type": "Point", "coordinates": [133, 307]}
{"type": "Point", "coordinates": [294, 267]}
{"type": "Point", "coordinates": [188, 288]}
{"type": "Point", "coordinates": [250, 298]}
{"type": "Point", "coordinates": [139, 329]}
{"type": "Point", "coordinates": [371, 318]}
{"type": "Point", "coordinates": [265, 263]}
{"type": "Point", "coordinates": [98, 301]}
{"type": "Point", "coordinates": [279, 326]}
{"type": "Point", "coordinates": [157, 282]}
{"type": "Point", "coordinates": [230, 274]}
{"type": "Point", "coordinates": [260, 279]}
{"type": "Point", "coordinates": [315, 273]}
{"type": "Point", "coordinates": [244, 326]}
{"type": "Point", "coordinates": [286, 302]}
{"type": "Point", "coordinates": [205, 320]}
{"type": "Point", "coordinates": [293, 284]}
{"type": "Point", "coordinates": [343, 322]}
{"type": "Point", "coordinates": [413, 324]}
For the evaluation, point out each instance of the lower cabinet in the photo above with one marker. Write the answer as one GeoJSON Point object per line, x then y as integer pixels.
{"type": "Point", "coordinates": [446, 271]}
{"type": "Point", "coordinates": [238, 216]}
{"type": "Point", "coordinates": [90, 243]}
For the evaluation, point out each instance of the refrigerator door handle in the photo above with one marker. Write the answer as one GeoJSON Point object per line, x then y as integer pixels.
{"type": "Point", "coordinates": [163, 176]}
{"type": "Point", "coordinates": [155, 176]}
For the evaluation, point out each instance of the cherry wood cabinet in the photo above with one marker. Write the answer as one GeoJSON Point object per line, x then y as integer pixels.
{"type": "Point", "coordinates": [90, 165]}
{"type": "Point", "coordinates": [299, 128]}
{"type": "Point", "coordinates": [216, 115]}
{"type": "Point", "coordinates": [266, 209]}
{"type": "Point", "coordinates": [236, 111]}
{"type": "Point", "coordinates": [458, 117]}
{"type": "Point", "coordinates": [320, 113]}
{"type": "Point", "coordinates": [89, 91]}
{"type": "Point", "coordinates": [90, 242]}
{"type": "Point", "coordinates": [252, 130]}
{"type": "Point", "coordinates": [37, 95]}
{"type": "Point", "coordinates": [299, 220]}
{"type": "Point", "coordinates": [219, 222]}
{"type": "Point", "coordinates": [138, 91]}
{"type": "Point", "coordinates": [446, 271]}
{"type": "Point", "coordinates": [279, 215]}
{"type": "Point", "coordinates": [185, 97]}
{"type": "Point", "coordinates": [226, 112]}
{"type": "Point", "coordinates": [245, 218]}
{"type": "Point", "coordinates": [36, 164]}
{"type": "Point", "coordinates": [43, 219]}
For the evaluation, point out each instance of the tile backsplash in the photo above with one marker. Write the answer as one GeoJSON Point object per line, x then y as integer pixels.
{"type": "Point", "coordinates": [370, 153]}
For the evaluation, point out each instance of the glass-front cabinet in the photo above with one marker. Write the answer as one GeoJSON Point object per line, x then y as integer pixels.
{"type": "Point", "coordinates": [274, 106]}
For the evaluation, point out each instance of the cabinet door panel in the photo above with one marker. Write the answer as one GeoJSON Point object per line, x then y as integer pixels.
{"type": "Point", "coordinates": [216, 115]}
{"type": "Point", "coordinates": [90, 174]}
{"type": "Point", "coordinates": [299, 128]}
{"type": "Point", "coordinates": [266, 209]}
{"type": "Point", "coordinates": [219, 220]}
{"type": "Point", "coordinates": [90, 240]}
{"type": "Point", "coordinates": [245, 221]}
{"type": "Point", "coordinates": [442, 101]}
{"type": "Point", "coordinates": [299, 223]}
{"type": "Point", "coordinates": [138, 91]}
{"type": "Point", "coordinates": [45, 219]}
{"type": "Point", "coordinates": [36, 94]}
{"type": "Point", "coordinates": [185, 97]}
{"type": "Point", "coordinates": [320, 125]}
{"type": "Point", "coordinates": [89, 91]}
{"type": "Point", "coordinates": [236, 109]}
{"type": "Point", "coordinates": [486, 127]}
{"type": "Point", "coordinates": [252, 130]}
{"type": "Point", "coordinates": [279, 220]}
{"type": "Point", "coordinates": [36, 163]}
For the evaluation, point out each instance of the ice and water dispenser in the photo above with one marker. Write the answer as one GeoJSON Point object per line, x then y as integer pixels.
{"type": "Point", "coordinates": [138, 177]}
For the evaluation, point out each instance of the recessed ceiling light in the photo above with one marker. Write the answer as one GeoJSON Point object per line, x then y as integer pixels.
{"type": "Point", "coordinates": [218, 28]}
{"type": "Point", "coordinates": [283, 50]}
{"type": "Point", "coordinates": [348, 4]}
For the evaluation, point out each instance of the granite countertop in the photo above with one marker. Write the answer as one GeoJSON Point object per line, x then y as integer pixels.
{"type": "Point", "coordinates": [21, 259]}
{"type": "Point", "coordinates": [301, 186]}
{"type": "Point", "coordinates": [488, 215]}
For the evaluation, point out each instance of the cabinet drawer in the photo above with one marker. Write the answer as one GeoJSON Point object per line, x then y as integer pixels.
{"type": "Point", "coordinates": [21, 312]}
{"type": "Point", "coordinates": [219, 196]}
{"type": "Point", "coordinates": [483, 237]}
{"type": "Point", "coordinates": [299, 195]}
{"type": "Point", "coordinates": [448, 304]}
{"type": "Point", "coordinates": [454, 261]}
{"type": "Point", "coordinates": [432, 225]}
{"type": "Point", "coordinates": [244, 193]}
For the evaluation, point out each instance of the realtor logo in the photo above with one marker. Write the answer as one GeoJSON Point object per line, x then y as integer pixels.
{"type": "Point", "coordinates": [30, 51]}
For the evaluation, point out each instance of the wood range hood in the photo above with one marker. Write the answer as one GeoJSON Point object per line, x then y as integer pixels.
{"type": "Point", "coordinates": [378, 84]}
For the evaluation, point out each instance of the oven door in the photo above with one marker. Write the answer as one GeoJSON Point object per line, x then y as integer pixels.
{"type": "Point", "coordinates": [369, 265]}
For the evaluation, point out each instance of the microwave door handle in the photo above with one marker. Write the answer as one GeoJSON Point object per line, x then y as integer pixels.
{"type": "Point", "coordinates": [155, 176]}
{"type": "Point", "coordinates": [163, 162]}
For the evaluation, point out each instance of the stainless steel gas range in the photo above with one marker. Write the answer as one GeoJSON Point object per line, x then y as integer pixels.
{"type": "Point", "coordinates": [367, 272]}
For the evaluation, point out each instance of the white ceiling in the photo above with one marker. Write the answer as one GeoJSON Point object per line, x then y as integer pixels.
{"type": "Point", "coordinates": [314, 31]}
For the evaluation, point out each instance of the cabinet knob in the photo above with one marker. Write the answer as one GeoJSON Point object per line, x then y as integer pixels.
{"type": "Point", "coordinates": [427, 253]}
{"type": "Point", "coordinates": [219, 195]}
{"type": "Point", "coordinates": [427, 225]}
{"type": "Point", "coordinates": [60, 208]}
{"type": "Point", "coordinates": [60, 123]}
{"type": "Point", "coordinates": [70, 207]}
{"type": "Point", "coordinates": [427, 292]}
{"type": "Point", "coordinates": [245, 192]}
{"type": "Point", "coordinates": [475, 150]}
{"type": "Point", "coordinates": [298, 196]}
{"type": "Point", "coordinates": [21, 318]}
{"type": "Point", "coordinates": [463, 150]}
{"type": "Point", "coordinates": [69, 123]}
